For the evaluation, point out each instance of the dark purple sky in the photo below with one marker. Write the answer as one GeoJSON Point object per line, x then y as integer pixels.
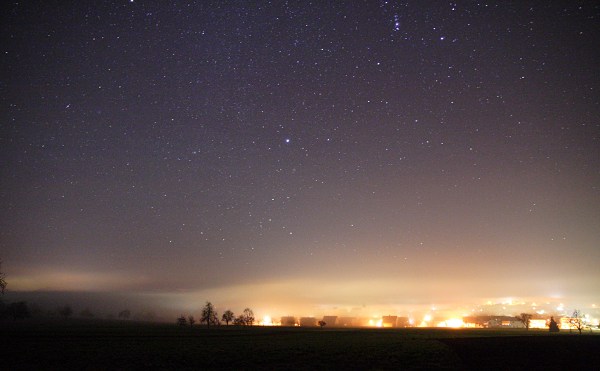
{"type": "Point", "coordinates": [372, 152]}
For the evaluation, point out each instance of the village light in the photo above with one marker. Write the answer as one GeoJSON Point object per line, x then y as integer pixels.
{"type": "Point", "coordinates": [452, 323]}
{"type": "Point", "coordinates": [267, 321]}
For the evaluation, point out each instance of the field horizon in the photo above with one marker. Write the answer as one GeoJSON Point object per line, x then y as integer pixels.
{"type": "Point", "coordinates": [103, 344]}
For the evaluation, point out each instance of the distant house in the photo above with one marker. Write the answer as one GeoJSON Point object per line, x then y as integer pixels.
{"type": "Point", "coordinates": [493, 322]}
{"type": "Point", "coordinates": [538, 323]}
{"type": "Point", "coordinates": [330, 321]}
{"type": "Point", "coordinates": [512, 322]}
{"type": "Point", "coordinates": [389, 321]}
{"type": "Point", "coordinates": [288, 321]}
{"type": "Point", "coordinates": [345, 321]}
{"type": "Point", "coordinates": [365, 322]}
{"type": "Point", "coordinates": [568, 323]}
{"type": "Point", "coordinates": [403, 322]}
{"type": "Point", "coordinates": [308, 322]}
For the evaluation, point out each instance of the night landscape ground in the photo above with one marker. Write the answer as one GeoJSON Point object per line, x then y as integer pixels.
{"type": "Point", "coordinates": [80, 345]}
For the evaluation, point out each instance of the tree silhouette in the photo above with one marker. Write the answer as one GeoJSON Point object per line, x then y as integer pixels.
{"type": "Point", "coordinates": [525, 318]}
{"type": "Point", "coordinates": [3, 283]}
{"type": "Point", "coordinates": [18, 310]}
{"type": "Point", "coordinates": [3, 309]}
{"type": "Point", "coordinates": [239, 320]}
{"type": "Point", "coordinates": [227, 317]}
{"type": "Point", "coordinates": [321, 323]}
{"type": "Point", "coordinates": [209, 315]}
{"type": "Point", "coordinates": [553, 326]}
{"type": "Point", "coordinates": [191, 321]}
{"type": "Point", "coordinates": [248, 317]}
{"type": "Point", "coordinates": [577, 320]}
{"type": "Point", "coordinates": [65, 311]}
{"type": "Point", "coordinates": [125, 314]}
{"type": "Point", "coordinates": [181, 320]}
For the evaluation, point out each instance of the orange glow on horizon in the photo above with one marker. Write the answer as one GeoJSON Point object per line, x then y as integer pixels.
{"type": "Point", "coordinates": [267, 321]}
{"type": "Point", "coordinates": [452, 323]}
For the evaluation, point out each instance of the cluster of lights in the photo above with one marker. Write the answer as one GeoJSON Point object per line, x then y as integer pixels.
{"type": "Point", "coordinates": [428, 320]}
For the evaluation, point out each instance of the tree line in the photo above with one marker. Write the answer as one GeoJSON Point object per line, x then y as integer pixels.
{"type": "Point", "coordinates": [210, 317]}
{"type": "Point", "coordinates": [576, 321]}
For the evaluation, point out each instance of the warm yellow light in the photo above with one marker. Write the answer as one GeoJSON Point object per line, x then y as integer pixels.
{"type": "Point", "coordinates": [537, 323]}
{"type": "Point", "coordinates": [267, 321]}
{"type": "Point", "coordinates": [427, 318]}
{"type": "Point", "coordinates": [452, 323]}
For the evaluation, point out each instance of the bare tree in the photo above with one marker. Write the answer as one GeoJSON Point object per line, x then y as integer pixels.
{"type": "Point", "coordinates": [227, 317]}
{"type": "Point", "coordinates": [525, 318]}
{"type": "Point", "coordinates": [209, 315]}
{"type": "Point", "coordinates": [125, 314]}
{"type": "Point", "coordinates": [191, 321]}
{"type": "Point", "coordinates": [3, 283]}
{"type": "Point", "coordinates": [65, 311]}
{"type": "Point", "coordinates": [239, 320]}
{"type": "Point", "coordinates": [577, 321]}
{"type": "Point", "coordinates": [181, 320]}
{"type": "Point", "coordinates": [244, 319]}
{"type": "Point", "coordinates": [248, 317]}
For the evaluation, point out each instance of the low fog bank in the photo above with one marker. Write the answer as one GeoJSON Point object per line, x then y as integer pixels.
{"type": "Point", "coordinates": [347, 293]}
{"type": "Point", "coordinates": [89, 304]}
{"type": "Point", "coordinates": [269, 301]}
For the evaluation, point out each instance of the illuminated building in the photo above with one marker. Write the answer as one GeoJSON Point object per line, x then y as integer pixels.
{"type": "Point", "coordinates": [389, 321]}
{"type": "Point", "coordinates": [330, 321]}
{"type": "Point", "coordinates": [345, 321]}
{"type": "Point", "coordinates": [403, 322]}
{"type": "Point", "coordinates": [288, 321]}
{"type": "Point", "coordinates": [308, 322]}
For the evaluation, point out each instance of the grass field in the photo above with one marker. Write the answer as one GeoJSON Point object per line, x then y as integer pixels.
{"type": "Point", "coordinates": [104, 345]}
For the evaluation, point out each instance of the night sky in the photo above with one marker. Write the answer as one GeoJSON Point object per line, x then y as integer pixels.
{"type": "Point", "coordinates": [292, 156]}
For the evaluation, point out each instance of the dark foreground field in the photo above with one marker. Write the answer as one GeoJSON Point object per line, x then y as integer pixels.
{"type": "Point", "coordinates": [120, 345]}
